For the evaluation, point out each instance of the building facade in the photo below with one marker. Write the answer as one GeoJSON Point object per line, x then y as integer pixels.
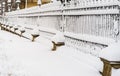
{"type": "Point", "coordinates": [12, 5]}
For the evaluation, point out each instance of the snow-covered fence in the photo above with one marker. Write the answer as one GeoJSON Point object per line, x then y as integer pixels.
{"type": "Point", "coordinates": [87, 24]}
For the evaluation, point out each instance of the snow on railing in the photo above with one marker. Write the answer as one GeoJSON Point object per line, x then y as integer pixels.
{"type": "Point", "coordinates": [92, 2]}
{"type": "Point", "coordinates": [87, 43]}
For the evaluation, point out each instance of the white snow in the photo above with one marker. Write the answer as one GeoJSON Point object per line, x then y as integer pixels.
{"type": "Point", "coordinates": [19, 57]}
{"type": "Point", "coordinates": [59, 37]}
{"type": "Point", "coordinates": [35, 31]}
{"type": "Point", "coordinates": [115, 72]}
{"type": "Point", "coordinates": [112, 52]}
{"type": "Point", "coordinates": [22, 29]}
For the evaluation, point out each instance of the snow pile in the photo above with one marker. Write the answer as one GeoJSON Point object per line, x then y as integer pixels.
{"type": "Point", "coordinates": [112, 52]}
{"type": "Point", "coordinates": [59, 37]}
{"type": "Point", "coordinates": [22, 29]}
{"type": "Point", "coordinates": [35, 32]}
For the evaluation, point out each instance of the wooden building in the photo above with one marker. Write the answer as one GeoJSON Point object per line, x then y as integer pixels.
{"type": "Point", "coordinates": [23, 4]}
{"type": "Point", "coordinates": [31, 3]}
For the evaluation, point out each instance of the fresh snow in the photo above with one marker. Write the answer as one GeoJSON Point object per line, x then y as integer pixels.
{"type": "Point", "coordinates": [112, 52]}
{"type": "Point", "coordinates": [59, 37]}
{"type": "Point", "coordinates": [115, 72]}
{"type": "Point", "coordinates": [19, 56]}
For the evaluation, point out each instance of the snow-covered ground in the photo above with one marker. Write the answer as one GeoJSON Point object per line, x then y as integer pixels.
{"type": "Point", "coordinates": [21, 57]}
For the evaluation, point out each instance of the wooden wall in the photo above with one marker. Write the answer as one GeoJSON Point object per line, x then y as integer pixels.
{"type": "Point", "coordinates": [32, 3]}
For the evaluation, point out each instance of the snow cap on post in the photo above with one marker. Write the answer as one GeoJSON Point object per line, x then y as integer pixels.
{"type": "Point", "coordinates": [35, 31]}
{"type": "Point", "coordinates": [22, 29]}
{"type": "Point", "coordinates": [59, 37]}
{"type": "Point", "coordinates": [111, 53]}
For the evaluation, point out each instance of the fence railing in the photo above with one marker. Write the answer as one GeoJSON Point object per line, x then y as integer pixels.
{"type": "Point", "coordinates": [91, 18]}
